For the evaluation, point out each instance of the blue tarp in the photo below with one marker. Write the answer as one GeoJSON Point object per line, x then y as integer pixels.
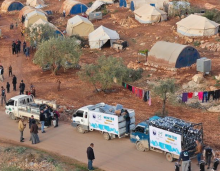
{"type": "Point", "coordinates": [153, 5]}
{"type": "Point", "coordinates": [49, 12]}
{"type": "Point", "coordinates": [187, 57]}
{"type": "Point", "coordinates": [132, 6]}
{"type": "Point", "coordinates": [15, 6]}
{"type": "Point", "coordinates": [58, 33]}
{"type": "Point", "coordinates": [122, 3]}
{"type": "Point", "coordinates": [78, 8]}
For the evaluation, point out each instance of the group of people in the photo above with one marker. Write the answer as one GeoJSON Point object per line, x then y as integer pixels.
{"type": "Point", "coordinates": [16, 48]}
{"type": "Point", "coordinates": [206, 152]}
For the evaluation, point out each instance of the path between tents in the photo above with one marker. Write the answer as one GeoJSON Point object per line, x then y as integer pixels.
{"type": "Point", "coordinates": [113, 155]}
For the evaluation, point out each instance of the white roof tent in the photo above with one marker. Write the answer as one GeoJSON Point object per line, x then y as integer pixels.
{"type": "Point", "coordinates": [173, 55]}
{"type": "Point", "coordinates": [100, 36]}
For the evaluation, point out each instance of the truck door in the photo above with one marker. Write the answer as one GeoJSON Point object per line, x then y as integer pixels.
{"type": "Point", "coordinates": [78, 117]}
{"type": "Point", "coordinates": [16, 108]}
{"type": "Point", "coordinates": [137, 134]}
{"type": "Point", "coordinates": [86, 118]}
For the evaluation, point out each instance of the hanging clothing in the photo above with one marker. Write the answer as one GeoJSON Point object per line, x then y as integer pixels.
{"type": "Point", "coordinates": [217, 94]}
{"type": "Point", "coordinates": [126, 86]}
{"type": "Point", "coordinates": [190, 95]}
{"type": "Point", "coordinates": [123, 84]}
{"type": "Point", "coordinates": [140, 93]}
{"type": "Point", "coordinates": [184, 97]}
{"type": "Point", "coordinates": [133, 89]}
{"type": "Point", "coordinates": [137, 92]}
{"type": "Point", "coordinates": [146, 96]}
{"type": "Point", "coordinates": [130, 87]}
{"type": "Point", "coordinates": [200, 95]}
{"type": "Point", "coordinates": [205, 96]}
{"type": "Point", "coordinates": [149, 101]}
{"type": "Point", "coordinates": [143, 94]}
{"type": "Point", "coordinates": [211, 93]}
{"type": "Point", "coordinates": [195, 94]}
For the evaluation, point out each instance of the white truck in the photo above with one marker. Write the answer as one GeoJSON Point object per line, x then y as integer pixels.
{"type": "Point", "coordinates": [25, 106]}
{"type": "Point", "coordinates": [103, 117]}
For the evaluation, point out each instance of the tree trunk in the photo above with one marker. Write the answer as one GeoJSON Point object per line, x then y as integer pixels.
{"type": "Point", "coordinates": [54, 69]}
{"type": "Point", "coordinates": [164, 106]}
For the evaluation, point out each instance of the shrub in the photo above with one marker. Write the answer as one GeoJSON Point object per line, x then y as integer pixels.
{"type": "Point", "coordinates": [20, 150]}
{"type": "Point", "coordinates": [197, 43]}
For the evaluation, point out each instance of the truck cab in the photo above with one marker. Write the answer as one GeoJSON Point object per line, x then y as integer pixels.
{"type": "Point", "coordinates": [140, 136]}
{"type": "Point", "coordinates": [16, 103]}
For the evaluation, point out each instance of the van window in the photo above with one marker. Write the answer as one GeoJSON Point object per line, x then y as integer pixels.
{"type": "Point", "coordinates": [79, 113]}
{"type": "Point", "coordinates": [28, 100]}
{"type": "Point", "coordinates": [139, 129]}
{"type": "Point", "coordinates": [10, 103]}
{"type": "Point", "coordinates": [147, 131]}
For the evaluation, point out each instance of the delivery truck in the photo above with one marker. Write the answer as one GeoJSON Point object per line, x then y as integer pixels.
{"type": "Point", "coordinates": [107, 119]}
{"type": "Point", "coordinates": [166, 135]}
{"type": "Point", "coordinates": [25, 106]}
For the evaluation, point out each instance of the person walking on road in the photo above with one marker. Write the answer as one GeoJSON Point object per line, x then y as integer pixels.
{"type": "Point", "coordinates": [198, 151]}
{"type": "Point", "coordinates": [58, 86]}
{"type": "Point", "coordinates": [3, 96]}
{"type": "Point", "coordinates": [208, 153]}
{"type": "Point", "coordinates": [13, 48]}
{"type": "Point", "coordinates": [24, 47]}
{"type": "Point", "coordinates": [31, 119]}
{"type": "Point", "coordinates": [10, 71]}
{"type": "Point", "coordinates": [19, 46]}
{"type": "Point", "coordinates": [8, 87]}
{"type": "Point", "coordinates": [42, 120]}
{"type": "Point", "coordinates": [128, 121]}
{"type": "Point", "coordinates": [22, 87]}
{"type": "Point", "coordinates": [27, 52]}
{"type": "Point", "coordinates": [90, 156]}
{"type": "Point", "coordinates": [56, 116]}
{"type": "Point", "coordinates": [34, 132]}
{"type": "Point", "coordinates": [184, 156]}
{"type": "Point", "coordinates": [14, 82]}
{"type": "Point", "coordinates": [21, 127]}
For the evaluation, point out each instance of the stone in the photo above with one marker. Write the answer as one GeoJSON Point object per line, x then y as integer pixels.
{"type": "Point", "coordinates": [185, 86]}
{"type": "Point", "coordinates": [217, 77]}
{"type": "Point", "coordinates": [212, 88]}
{"type": "Point", "coordinates": [192, 84]}
{"type": "Point", "coordinates": [157, 38]}
{"type": "Point", "coordinates": [198, 78]}
{"type": "Point", "coordinates": [214, 109]}
{"type": "Point", "coordinates": [31, 164]}
{"type": "Point", "coordinates": [202, 42]}
{"type": "Point", "coordinates": [142, 44]}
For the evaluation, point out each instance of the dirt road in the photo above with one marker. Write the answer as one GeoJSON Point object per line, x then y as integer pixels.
{"type": "Point", "coordinates": [113, 155]}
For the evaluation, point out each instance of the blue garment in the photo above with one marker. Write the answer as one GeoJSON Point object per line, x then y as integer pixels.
{"type": "Point", "coordinates": [90, 167]}
{"type": "Point", "coordinates": [205, 96]}
{"type": "Point", "coordinates": [128, 127]}
{"type": "Point", "coordinates": [199, 155]}
{"type": "Point", "coordinates": [42, 126]}
{"type": "Point", "coordinates": [184, 155]}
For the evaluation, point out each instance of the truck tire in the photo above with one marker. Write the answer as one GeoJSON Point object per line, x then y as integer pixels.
{"type": "Point", "coordinates": [140, 147]}
{"type": "Point", "coordinates": [12, 116]}
{"type": "Point", "coordinates": [106, 136]}
{"type": "Point", "coordinates": [169, 157]}
{"type": "Point", "coordinates": [80, 129]}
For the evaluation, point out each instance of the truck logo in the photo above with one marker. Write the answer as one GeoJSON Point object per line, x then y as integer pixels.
{"type": "Point", "coordinates": [94, 116]}
{"type": "Point", "coordinates": [99, 117]}
{"type": "Point", "coordinates": [154, 132]}
{"type": "Point", "coordinates": [160, 134]}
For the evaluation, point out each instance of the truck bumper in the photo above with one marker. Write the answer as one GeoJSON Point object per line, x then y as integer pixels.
{"type": "Point", "coordinates": [74, 124]}
{"type": "Point", "coordinates": [7, 112]}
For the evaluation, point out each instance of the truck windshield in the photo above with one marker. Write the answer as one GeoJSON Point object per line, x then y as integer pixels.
{"type": "Point", "coordinates": [139, 129]}
{"type": "Point", "coordinates": [79, 113]}
{"type": "Point", "coordinates": [10, 103]}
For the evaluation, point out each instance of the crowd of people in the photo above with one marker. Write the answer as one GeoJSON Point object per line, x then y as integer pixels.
{"type": "Point", "coordinates": [16, 48]}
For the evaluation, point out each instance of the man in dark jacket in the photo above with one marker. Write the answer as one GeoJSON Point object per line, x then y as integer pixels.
{"type": "Point", "coordinates": [128, 121]}
{"type": "Point", "coordinates": [184, 156]}
{"type": "Point", "coordinates": [3, 99]}
{"type": "Point", "coordinates": [208, 153]}
{"type": "Point", "coordinates": [56, 116]}
{"type": "Point", "coordinates": [22, 87]}
{"type": "Point", "coordinates": [90, 156]}
{"type": "Point", "coordinates": [19, 46]}
{"type": "Point", "coordinates": [13, 47]}
{"type": "Point", "coordinates": [31, 119]}
{"type": "Point", "coordinates": [14, 82]}
{"type": "Point", "coordinates": [42, 120]}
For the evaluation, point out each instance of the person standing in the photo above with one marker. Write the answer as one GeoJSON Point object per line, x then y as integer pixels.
{"type": "Point", "coordinates": [34, 132]}
{"type": "Point", "coordinates": [27, 52]}
{"type": "Point", "coordinates": [208, 153]}
{"type": "Point", "coordinates": [56, 116]}
{"type": "Point", "coordinates": [42, 120]}
{"type": "Point", "coordinates": [24, 47]}
{"type": "Point", "coordinates": [10, 71]}
{"type": "Point", "coordinates": [22, 87]}
{"type": "Point", "coordinates": [14, 82]}
{"type": "Point", "coordinates": [19, 46]}
{"type": "Point", "coordinates": [128, 121]}
{"type": "Point", "coordinates": [21, 127]}
{"type": "Point", "coordinates": [64, 13]}
{"type": "Point", "coordinates": [184, 156]}
{"type": "Point", "coordinates": [31, 119]}
{"type": "Point", "coordinates": [3, 96]}
{"type": "Point", "coordinates": [8, 87]}
{"type": "Point", "coordinates": [90, 156]}
{"type": "Point", "coordinates": [16, 48]}
{"type": "Point", "coordinates": [58, 86]}
{"type": "Point", "coordinates": [198, 151]}
{"type": "Point", "coordinates": [13, 47]}
{"type": "Point", "coordinates": [1, 73]}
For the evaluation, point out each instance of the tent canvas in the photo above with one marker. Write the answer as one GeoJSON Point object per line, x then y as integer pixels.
{"type": "Point", "coordinates": [33, 16]}
{"type": "Point", "coordinates": [107, 1]}
{"type": "Point", "coordinates": [94, 6]}
{"type": "Point", "coordinates": [79, 26]}
{"type": "Point", "coordinates": [135, 4]}
{"type": "Point", "coordinates": [28, 9]}
{"type": "Point", "coordinates": [173, 54]}
{"type": "Point", "coordinates": [149, 14]}
{"type": "Point", "coordinates": [35, 3]}
{"type": "Point", "coordinates": [195, 25]}
{"type": "Point", "coordinates": [11, 5]}
{"type": "Point", "coordinates": [100, 36]}
{"type": "Point", "coordinates": [73, 7]}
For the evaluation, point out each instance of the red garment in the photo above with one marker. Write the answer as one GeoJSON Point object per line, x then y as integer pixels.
{"type": "Point", "coordinates": [200, 95]}
{"type": "Point", "coordinates": [190, 95]}
{"type": "Point", "coordinates": [126, 86]}
{"type": "Point", "coordinates": [136, 91]}
{"type": "Point", "coordinates": [140, 93]}
{"type": "Point", "coordinates": [133, 89]}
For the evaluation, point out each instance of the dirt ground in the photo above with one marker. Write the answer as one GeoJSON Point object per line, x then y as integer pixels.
{"type": "Point", "coordinates": [77, 93]}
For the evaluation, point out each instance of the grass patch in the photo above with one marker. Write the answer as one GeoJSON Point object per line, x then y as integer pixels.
{"type": "Point", "coordinates": [11, 168]}
{"type": "Point", "coordinates": [196, 43]}
{"type": "Point", "coordinates": [20, 150]}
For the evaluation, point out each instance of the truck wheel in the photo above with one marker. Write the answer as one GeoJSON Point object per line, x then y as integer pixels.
{"type": "Point", "coordinates": [12, 116]}
{"type": "Point", "coordinates": [80, 129]}
{"type": "Point", "coordinates": [169, 157]}
{"type": "Point", "coordinates": [140, 147]}
{"type": "Point", "coordinates": [106, 136]}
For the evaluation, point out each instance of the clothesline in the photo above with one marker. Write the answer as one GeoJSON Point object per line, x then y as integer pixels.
{"type": "Point", "coordinates": [202, 95]}
{"type": "Point", "coordinates": [142, 94]}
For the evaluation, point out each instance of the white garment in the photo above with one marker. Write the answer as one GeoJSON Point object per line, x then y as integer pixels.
{"type": "Point", "coordinates": [195, 94]}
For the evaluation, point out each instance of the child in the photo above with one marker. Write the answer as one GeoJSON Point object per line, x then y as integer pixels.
{"type": "Point", "coordinates": [8, 87]}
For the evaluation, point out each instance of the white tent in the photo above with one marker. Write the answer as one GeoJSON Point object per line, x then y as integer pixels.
{"type": "Point", "coordinates": [94, 6]}
{"type": "Point", "coordinates": [79, 26]}
{"type": "Point", "coordinates": [33, 16]}
{"type": "Point", "coordinates": [195, 25]}
{"type": "Point", "coordinates": [149, 14]}
{"type": "Point", "coordinates": [100, 36]}
{"type": "Point", "coordinates": [157, 3]}
{"type": "Point", "coordinates": [35, 3]}
{"type": "Point", "coordinates": [107, 1]}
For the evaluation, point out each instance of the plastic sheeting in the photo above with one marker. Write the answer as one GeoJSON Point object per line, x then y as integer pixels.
{"type": "Point", "coordinates": [11, 5]}
{"type": "Point", "coordinates": [94, 6]}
